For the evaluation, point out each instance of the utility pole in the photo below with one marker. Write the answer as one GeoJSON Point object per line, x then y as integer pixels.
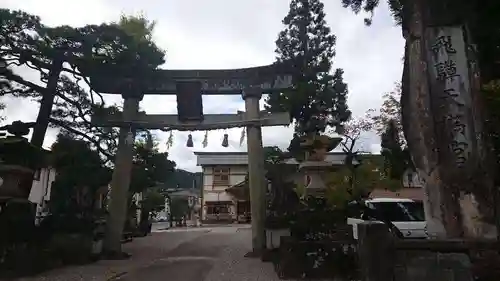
{"type": "Point", "coordinates": [256, 172]}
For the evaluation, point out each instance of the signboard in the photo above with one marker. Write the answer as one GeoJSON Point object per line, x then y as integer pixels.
{"type": "Point", "coordinates": [213, 82]}
{"type": "Point", "coordinates": [189, 101]}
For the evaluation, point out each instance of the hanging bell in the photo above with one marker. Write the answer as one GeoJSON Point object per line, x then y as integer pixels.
{"type": "Point", "coordinates": [189, 141]}
{"type": "Point", "coordinates": [205, 140]}
{"type": "Point", "coordinates": [149, 141]}
{"type": "Point", "coordinates": [242, 137]}
{"type": "Point", "coordinates": [225, 141]}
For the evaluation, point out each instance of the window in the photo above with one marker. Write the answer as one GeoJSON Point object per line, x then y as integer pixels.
{"type": "Point", "coordinates": [400, 211]}
{"type": "Point", "coordinates": [220, 176]}
{"type": "Point", "coordinates": [217, 209]}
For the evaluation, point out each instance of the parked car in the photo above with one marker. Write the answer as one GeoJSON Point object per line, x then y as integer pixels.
{"type": "Point", "coordinates": [161, 219]}
{"type": "Point", "coordinates": [405, 214]}
{"type": "Point", "coordinates": [246, 217]}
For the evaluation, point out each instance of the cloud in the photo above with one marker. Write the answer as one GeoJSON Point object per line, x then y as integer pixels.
{"type": "Point", "coordinates": [214, 34]}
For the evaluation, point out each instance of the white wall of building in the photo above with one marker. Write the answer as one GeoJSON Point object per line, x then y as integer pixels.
{"type": "Point", "coordinates": [217, 193]}
{"type": "Point", "coordinates": [237, 162]}
{"type": "Point", "coordinates": [41, 190]}
{"type": "Point", "coordinates": [237, 175]}
{"type": "Point", "coordinates": [415, 179]}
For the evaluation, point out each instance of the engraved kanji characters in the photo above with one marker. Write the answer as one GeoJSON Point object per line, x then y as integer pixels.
{"type": "Point", "coordinates": [454, 96]}
{"type": "Point", "coordinates": [459, 149]}
{"type": "Point", "coordinates": [456, 122]}
{"type": "Point", "coordinates": [445, 69]}
{"type": "Point", "coordinates": [443, 42]}
{"type": "Point", "coordinates": [448, 77]}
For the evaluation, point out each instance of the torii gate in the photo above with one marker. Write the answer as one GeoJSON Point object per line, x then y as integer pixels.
{"type": "Point", "coordinates": [189, 86]}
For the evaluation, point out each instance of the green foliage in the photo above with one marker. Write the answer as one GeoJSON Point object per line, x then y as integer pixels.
{"type": "Point", "coordinates": [138, 27]}
{"type": "Point", "coordinates": [368, 6]}
{"type": "Point", "coordinates": [150, 166]}
{"type": "Point", "coordinates": [179, 207]}
{"type": "Point", "coordinates": [117, 53]}
{"type": "Point", "coordinates": [397, 156]}
{"type": "Point", "coordinates": [390, 111]}
{"type": "Point", "coordinates": [97, 51]}
{"type": "Point", "coordinates": [273, 155]}
{"type": "Point", "coordinates": [491, 93]}
{"type": "Point", "coordinates": [306, 44]}
{"type": "Point", "coordinates": [340, 192]}
{"type": "Point", "coordinates": [346, 184]}
{"type": "Point", "coordinates": [387, 123]}
{"type": "Point", "coordinates": [276, 170]}
{"type": "Point", "coordinates": [153, 201]}
{"type": "Point", "coordinates": [80, 173]}
{"type": "Point", "coordinates": [72, 111]}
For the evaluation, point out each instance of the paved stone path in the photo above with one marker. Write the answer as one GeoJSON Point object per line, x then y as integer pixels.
{"type": "Point", "coordinates": [144, 251]}
{"type": "Point", "coordinates": [233, 266]}
{"type": "Point", "coordinates": [212, 254]}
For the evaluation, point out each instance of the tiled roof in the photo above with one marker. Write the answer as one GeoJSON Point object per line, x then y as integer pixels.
{"type": "Point", "coordinates": [241, 158]}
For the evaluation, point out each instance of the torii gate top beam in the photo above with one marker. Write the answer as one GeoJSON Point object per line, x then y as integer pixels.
{"type": "Point", "coordinates": [266, 79]}
{"type": "Point", "coordinates": [211, 121]}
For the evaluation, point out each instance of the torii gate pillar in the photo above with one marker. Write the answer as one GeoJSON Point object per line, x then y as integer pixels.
{"type": "Point", "coordinates": [256, 172]}
{"type": "Point", "coordinates": [120, 181]}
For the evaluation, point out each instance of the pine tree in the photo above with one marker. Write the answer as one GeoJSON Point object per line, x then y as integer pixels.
{"type": "Point", "coordinates": [306, 44]}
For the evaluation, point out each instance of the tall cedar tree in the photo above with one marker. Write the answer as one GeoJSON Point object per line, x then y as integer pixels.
{"type": "Point", "coordinates": [396, 154]}
{"type": "Point", "coordinates": [318, 99]}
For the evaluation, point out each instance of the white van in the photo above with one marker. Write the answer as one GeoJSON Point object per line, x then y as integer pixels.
{"type": "Point", "coordinates": [406, 214]}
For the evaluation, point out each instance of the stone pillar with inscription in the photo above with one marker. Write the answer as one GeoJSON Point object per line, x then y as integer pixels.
{"type": "Point", "coordinates": [459, 131]}
{"type": "Point", "coordinates": [442, 119]}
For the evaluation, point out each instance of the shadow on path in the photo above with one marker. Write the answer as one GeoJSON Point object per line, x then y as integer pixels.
{"type": "Point", "coordinates": [190, 261]}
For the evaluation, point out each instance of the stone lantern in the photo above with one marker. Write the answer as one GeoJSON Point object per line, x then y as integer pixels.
{"type": "Point", "coordinates": [19, 160]}
{"type": "Point", "coordinates": [314, 165]}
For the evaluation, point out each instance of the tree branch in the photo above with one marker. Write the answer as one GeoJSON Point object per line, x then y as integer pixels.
{"type": "Point", "coordinates": [18, 79]}
{"type": "Point", "coordinates": [81, 134]}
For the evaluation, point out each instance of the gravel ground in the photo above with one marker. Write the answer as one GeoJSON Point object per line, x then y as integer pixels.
{"type": "Point", "coordinates": [233, 266]}
{"type": "Point", "coordinates": [216, 254]}
{"type": "Point", "coordinates": [144, 252]}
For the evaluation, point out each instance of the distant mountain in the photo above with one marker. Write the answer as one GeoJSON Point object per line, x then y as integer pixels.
{"type": "Point", "coordinates": [183, 179]}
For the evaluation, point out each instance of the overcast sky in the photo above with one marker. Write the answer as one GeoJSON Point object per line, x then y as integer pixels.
{"type": "Point", "coordinates": [215, 34]}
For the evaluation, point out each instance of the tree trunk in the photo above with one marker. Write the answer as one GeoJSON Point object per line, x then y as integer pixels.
{"type": "Point", "coordinates": [443, 122]}
{"type": "Point", "coordinates": [47, 102]}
